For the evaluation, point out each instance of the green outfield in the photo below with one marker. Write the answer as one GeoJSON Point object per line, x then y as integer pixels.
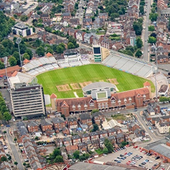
{"type": "Point", "coordinates": [64, 82]}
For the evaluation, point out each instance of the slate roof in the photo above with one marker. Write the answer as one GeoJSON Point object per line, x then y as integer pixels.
{"type": "Point", "coordinates": [162, 149]}
{"type": "Point", "coordinates": [85, 116]}
{"type": "Point", "coordinates": [57, 120]}
{"type": "Point", "coordinates": [45, 122]}
{"type": "Point", "coordinates": [32, 124]}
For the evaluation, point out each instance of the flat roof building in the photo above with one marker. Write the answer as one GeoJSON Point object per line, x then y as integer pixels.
{"type": "Point", "coordinates": [22, 30]}
{"type": "Point", "coordinates": [27, 100]}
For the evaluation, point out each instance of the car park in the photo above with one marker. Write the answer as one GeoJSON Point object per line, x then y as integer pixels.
{"type": "Point", "coordinates": [133, 157]}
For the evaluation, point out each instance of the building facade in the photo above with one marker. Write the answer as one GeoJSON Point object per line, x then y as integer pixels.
{"type": "Point", "coordinates": [110, 102]}
{"type": "Point", "coordinates": [22, 30]}
{"type": "Point", "coordinates": [27, 100]}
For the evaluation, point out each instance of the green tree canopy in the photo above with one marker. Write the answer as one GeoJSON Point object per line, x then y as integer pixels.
{"type": "Point", "coordinates": [16, 163]}
{"type": "Point", "coordinates": [23, 18]}
{"type": "Point", "coordinates": [105, 150]}
{"type": "Point", "coordinates": [138, 53]}
{"type": "Point", "coordinates": [49, 50]}
{"type": "Point", "coordinates": [139, 42]}
{"type": "Point", "coordinates": [7, 116]}
{"type": "Point", "coordinates": [151, 28]}
{"type": "Point", "coordinates": [25, 56]}
{"type": "Point", "coordinates": [40, 51]}
{"type": "Point", "coordinates": [3, 159]}
{"type": "Point", "coordinates": [108, 145]}
{"type": "Point", "coordinates": [12, 61]}
{"type": "Point", "coordinates": [76, 154]}
{"type": "Point", "coordinates": [95, 127]}
{"type": "Point", "coordinates": [70, 45]}
{"type": "Point", "coordinates": [59, 158]}
{"type": "Point", "coordinates": [29, 52]}
{"type": "Point", "coordinates": [2, 66]}
{"type": "Point", "coordinates": [153, 16]}
{"type": "Point", "coordinates": [137, 26]}
{"type": "Point", "coordinates": [56, 152]}
{"type": "Point", "coordinates": [152, 40]}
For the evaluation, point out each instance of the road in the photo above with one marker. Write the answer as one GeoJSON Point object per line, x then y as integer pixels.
{"type": "Point", "coordinates": [154, 137]}
{"type": "Point", "coordinates": [146, 23]}
{"type": "Point", "coordinates": [14, 151]}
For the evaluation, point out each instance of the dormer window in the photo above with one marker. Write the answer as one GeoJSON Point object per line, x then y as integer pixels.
{"type": "Point", "coordinates": [91, 103]}
{"type": "Point", "coordinates": [113, 100]}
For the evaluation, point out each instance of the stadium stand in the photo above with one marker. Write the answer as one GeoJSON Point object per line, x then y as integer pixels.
{"type": "Point", "coordinates": [160, 79]}
{"type": "Point", "coordinates": [129, 64]}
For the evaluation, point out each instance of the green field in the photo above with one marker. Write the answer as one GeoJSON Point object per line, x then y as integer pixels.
{"type": "Point", "coordinates": [91, 72]}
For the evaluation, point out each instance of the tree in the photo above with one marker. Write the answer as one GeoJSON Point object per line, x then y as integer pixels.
{"type": "Point", "coordinates": [152, 40]}
{"type": "Point", "coordinates": [2, 51]}
{"type": "Point", "coordinates": [141, 8]}
{"type": "Point", "coordinates": [56, 152]}
{"type": "Point", "coordinates": [36, 138]}
{"type": "Point", "coordinates": [26, 56]}
{"type": "Point", "coordinates": [29, 52]}
{"type": "Point", "coordinates": [23, 18]}
{"type": "Point", "coordinates": [108, 145]}
{"type": "Point", "coordinates": [15, 139]}
{"type": "Point", "coordinates": [12, 61]}
{"type": "Point", "coordinates": [24, 164]}
{"type": "Point", "coordinates": [124, 143]}
{"type": "Point", "coordinates": [3, 108]}
{"type": "Point", "coordinates": [169, 23]}
{"type": "Point", "coordinates": [63, 116]}
{"type": "Point", "coordinates": [3, 159]}
{"type": "Point", "coordinates": [22, 48]}
{"type": "Point", "coordinates": [151, 28]}
{"type": "Point", "coordinates": [105, 150]}
{"type": "Point", "coordinates": [153, 16]}
{"type": "Point", "coordinates": [60, 49]}
{"type": "Point", "coordinates": [76, 154]}
{"type": "Point", "coordinates": [70, 45]}
{"type": "Point", "coordinates": [137, 26]}
{"type": "Point", "coordinates": [59, 158]}
{"type": "Point", "coordinates": [7, 116]}
{"type": "Point", "coordinates": [2, 65]}
{"type": "Point", "coordinates": [40, 51]}
{"type": "Point", "coordinates": [95, 127]}
{"type": "Point", "coordinates": [37, 43]}
{"type": "Point", "coordinates": [139, 42]}
{"type": "Point", "coordinates": [16, 163]}
{"type": "Point", "coordinates": [84, 156]}
{"type": "Point", "coordinates": [49, 50]}
{"type": "Point", "coordinates": [153, 35]}
{"type": "Point", "coordinates": [7, 43]}
{"type": "Point", "coordinates": [138, 53]}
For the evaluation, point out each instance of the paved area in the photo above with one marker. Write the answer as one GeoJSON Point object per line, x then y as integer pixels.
{"type": "Point", "coordinates": [14, 151]}
{"type": "Point", "coordinates": [146, 33]}
{"type": "Point", "coordinates": [137, 151]}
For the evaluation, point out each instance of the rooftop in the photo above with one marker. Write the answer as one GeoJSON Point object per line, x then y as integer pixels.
{"type": "Point", "coordinates": [89, 166]}
{"type": "Point", "coordinates": [162, 149]}
{"type": "Point", "coordinates": [98, 85]}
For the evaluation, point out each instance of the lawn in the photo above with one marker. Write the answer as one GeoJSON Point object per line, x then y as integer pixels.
{"type": "Point", "coordinates": [80, 74]}
{"type": "Point", "coordinates": [119, 117]}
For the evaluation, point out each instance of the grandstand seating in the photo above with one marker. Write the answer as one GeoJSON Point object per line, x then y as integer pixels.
{"type": "Point", "coordinates": [129, 64]}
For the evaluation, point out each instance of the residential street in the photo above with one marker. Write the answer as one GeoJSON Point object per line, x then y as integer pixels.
{"type": "Point", "coordinates": [152, 135]}
{"type": "Point", "coordinates": [145, 31]}
{"type": "Point", "coordinates": [14, 151]}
